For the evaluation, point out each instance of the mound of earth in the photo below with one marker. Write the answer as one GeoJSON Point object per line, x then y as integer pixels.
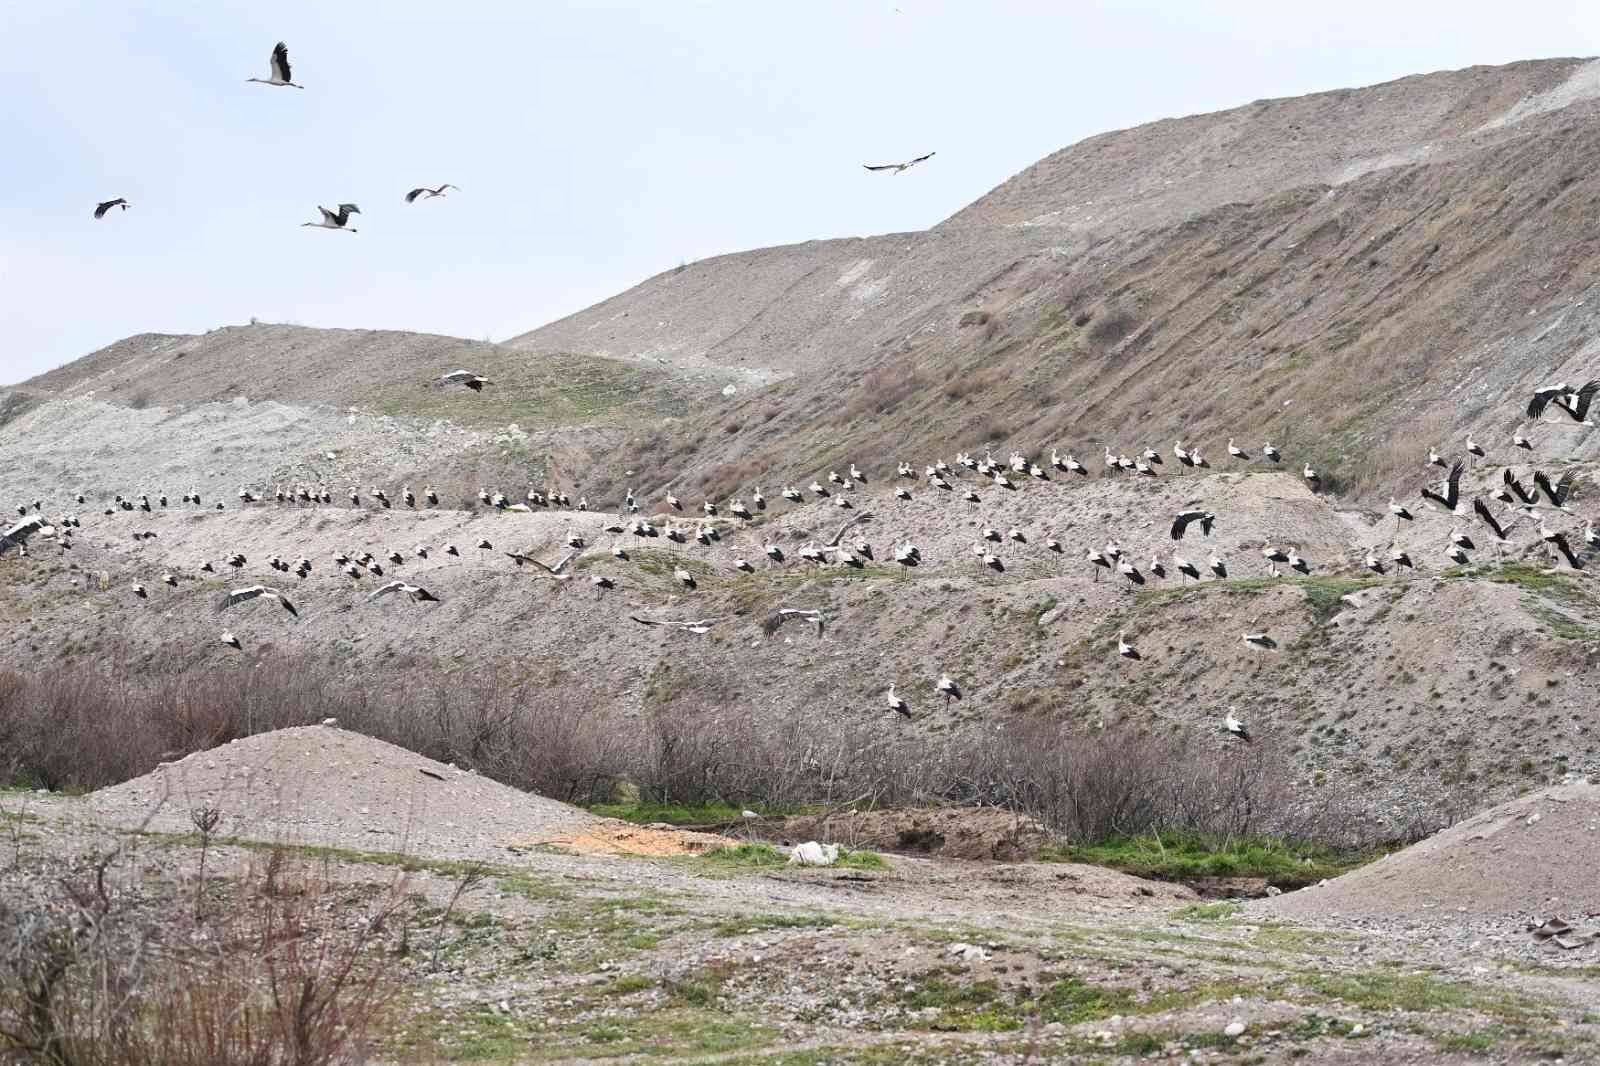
{"type": "Point", "coordinates": [978, 833]}
{"type": "Point", "coordinates": [1532, 856]}
{"type": "Point", "coordinates": [324, 786]}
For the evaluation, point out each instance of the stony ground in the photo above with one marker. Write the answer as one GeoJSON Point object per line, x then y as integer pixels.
{"type": "Point", "coordinates": [552, 957]}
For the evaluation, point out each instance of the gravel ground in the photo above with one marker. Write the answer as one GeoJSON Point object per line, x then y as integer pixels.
{"type": "Point", "coordinates": [1528, 859]}
{"type": "Point", "coordinates": [558, 957]}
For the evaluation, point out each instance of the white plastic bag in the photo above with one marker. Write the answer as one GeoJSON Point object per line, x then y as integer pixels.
{"type": "Point", "coordinates": [813, 854]}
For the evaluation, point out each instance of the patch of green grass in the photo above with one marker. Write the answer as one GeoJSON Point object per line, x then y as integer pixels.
{"type": "Point", "coordinates": [746, 924]}
{"type": "Point", "coordinates": [766, 857]}
{"type": "Point", "coordinates": [1421, 992]}
{"type": "Point", "coordinates": [521, 882]}
{"type": "Point", "coordinates": [1561, 626]}
{"type": "Point", "coordinates": [1475, 1041]}
{"type": "Point", "coordinates": [1547, 583]}
{"type": "Point", "coordinates": [1071, 1001]}
{"type": "Point", "coordinates": [1208, 912]}
{"type": "Point", "coordinates": [627, 984]}
{"type": "Point", "coordinates": [976, 1006]}
{"type": "Point", "coordinates": [1174, 856]}
{"type": "Point", "coordinates": [547, 390]}
{"type": "Point", "coordinates": [1323, 594]}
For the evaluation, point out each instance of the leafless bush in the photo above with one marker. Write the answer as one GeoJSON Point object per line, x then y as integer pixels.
{"type": "Point", "coordinates": [699, 743]}
{"type": "Point", "coordinates": [1110, 328]}
{"type": "Point", "coordinates": [94, 973]}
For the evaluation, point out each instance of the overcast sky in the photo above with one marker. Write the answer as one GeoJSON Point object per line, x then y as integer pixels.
{"type": "Point", "coordinates": [595, 143]}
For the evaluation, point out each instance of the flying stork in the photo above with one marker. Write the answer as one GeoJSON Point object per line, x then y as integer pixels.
{"type": "Point", "coordinates": [417, 593]}
{"type": "Point", "coordinates": [335, 220]}
{"type": "Point", "coordinates": [1450, 499]}
{"type": "Point", "coordinates": [106, 205]}
{"type": "Point", "coordinates": [1185, 518]}
{"type": "Point", "coordinates": [279, 64]}
{"type": "Point", "coordinates": [251, 592]}
{"type": "Point", "coordinates": [1575, 402]}
{"type": "Point", "coordinates": [1559, 493]}
{"type": "Point", "coordinates": [897, 167]}
{"type": "Point", "coordinates": [475, 382]}
{"type": "Point", "coordinates": [428, 194]}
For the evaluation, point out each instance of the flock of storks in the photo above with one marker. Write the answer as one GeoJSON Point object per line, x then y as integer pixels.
{"type": "Point", "coordinates": [1521, 503]}
{"type": "Point", "coordinates": [280, 76]}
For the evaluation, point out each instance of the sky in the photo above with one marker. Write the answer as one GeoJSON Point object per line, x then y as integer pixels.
{"type": "Point", "coordinates": [595, 144]}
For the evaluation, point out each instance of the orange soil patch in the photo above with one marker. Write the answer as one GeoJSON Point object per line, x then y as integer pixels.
{"type": "Point", "coordinates": [624, 838]}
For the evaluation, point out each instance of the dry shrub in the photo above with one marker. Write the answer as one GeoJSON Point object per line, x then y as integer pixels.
{"type": "Point", "coordinates": [882, 389]}
{"type": "Point", "coordinates": [699, 743]}
{"type": "Point", "coordinates": [95, 973]}
{"type": "Point", "coordinates": [1112, 327]}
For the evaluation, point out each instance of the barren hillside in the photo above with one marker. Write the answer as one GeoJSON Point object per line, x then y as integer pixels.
{"type": "Point", "coordinates": [1357, 276]}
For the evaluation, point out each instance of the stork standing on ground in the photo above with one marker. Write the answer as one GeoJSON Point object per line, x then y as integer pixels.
{"type": "Point", "coordinates": [1124, 649]}
{"type": "Point", "coordinates": [897, 705]}
{"type": "Point", "coordinates": [949, 688]}
{"type": "Point", "coordinates": [1235, 728]}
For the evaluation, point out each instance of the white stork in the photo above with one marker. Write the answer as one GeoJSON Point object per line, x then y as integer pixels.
{"type": "Point", "coordinates": [897, 167]}
{"type": "Point", "coordinates": [428, 194]}
{"type": "Point", "coordinates": [279, 66]}
{"type": "Point", "coordinates": [417, 593]}
{"type": "Point", "coordinates": [475, 382]}
{"type": "Point", "coordinates": [252, 592]}
{"type": "Point", "coordinates": [335, 219]}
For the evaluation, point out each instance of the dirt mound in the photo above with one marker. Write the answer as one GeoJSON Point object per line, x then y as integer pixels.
{"type": "Point", "coordinates": [1535, 855]}
{"type": "Point", "coordinates": [609, 837]}
{"type": "Point", "coordinates": [320, 785]}
{"type": "Point", "coordinates": [955, 834]}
